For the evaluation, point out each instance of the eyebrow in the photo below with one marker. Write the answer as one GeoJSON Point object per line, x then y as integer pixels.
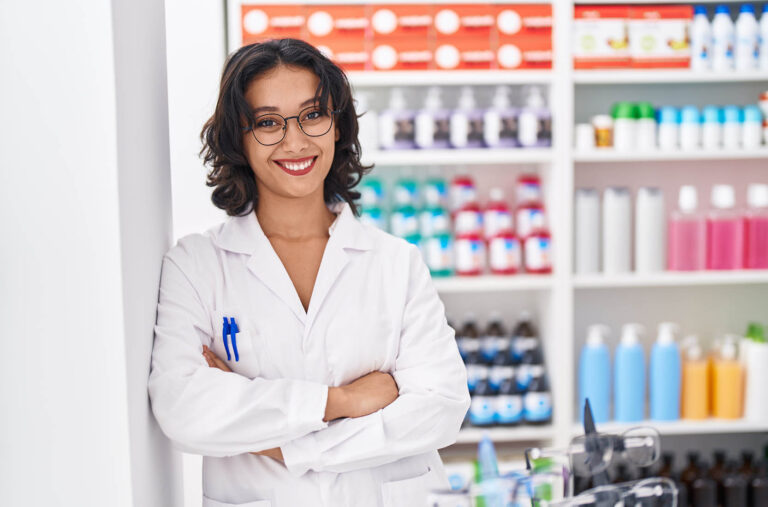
{"type": "Point", "coordinates": [307, 102]}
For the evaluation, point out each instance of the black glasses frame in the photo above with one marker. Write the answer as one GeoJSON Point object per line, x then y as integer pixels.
{"type": "Point", "coordinates": [285, 124]}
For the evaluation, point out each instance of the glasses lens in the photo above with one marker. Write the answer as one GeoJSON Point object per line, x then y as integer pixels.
{"type": "Point", "coordinates": [591, 454]}
{"type": "Point", "coordinates": [656, 492]}
{"type": "Point", "coordinates": [269, 128]}
{"type": "Point", "coordinates": [641, 446]}
{"type": "Point", "coordinates": [315, 121]}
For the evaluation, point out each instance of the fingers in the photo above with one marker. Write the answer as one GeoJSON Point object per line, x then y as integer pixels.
{"type": "Point", "coordinates": [213, 360]}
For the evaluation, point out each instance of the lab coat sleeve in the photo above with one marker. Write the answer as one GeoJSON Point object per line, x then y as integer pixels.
{"type": "Point", "coordinates": [427, 414]}
{"type": "Point", "coordinates": [206, 411]}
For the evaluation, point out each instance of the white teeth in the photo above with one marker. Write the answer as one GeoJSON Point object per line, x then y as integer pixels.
{"type": "Point", "coordinates": [298, 167]}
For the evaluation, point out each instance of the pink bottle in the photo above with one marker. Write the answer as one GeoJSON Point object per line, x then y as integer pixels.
{"type": "Point", "coordinates": [686, 234]}
{"type": "Point", "coordinates": [725, 231]}
{"type": "Point", "coordinates": [497, 216]}
{"type": "Point", "coordinates": [756, 228]}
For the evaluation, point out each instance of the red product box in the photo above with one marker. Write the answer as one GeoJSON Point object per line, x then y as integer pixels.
{"type": "Point", "coordinates": [465, 53]}
{"type": "Point", "coordinates": [658, 36]}
{"type": "Point", "coordinates": [454, 21]}
{"type": "Point", "coordinates": [525, 19]}
{"type": "Point", "coordinates": [263, 22]}
{"type": "Point", "coordinates": [397, 21]}
{"type": "Point", "coordinates": [411, 53]}
{"type": "Point", "coordinates": [336, 21]}
{"type": "Point", "coordinates": [525, 52]}
{"type": "Point", "coordinates": [600, 36]}
{"type": "Point", "coordinates": [351, 53]}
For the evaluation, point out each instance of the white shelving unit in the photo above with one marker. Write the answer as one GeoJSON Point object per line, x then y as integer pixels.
{"type": "Point", "coordinates": [560, 298]}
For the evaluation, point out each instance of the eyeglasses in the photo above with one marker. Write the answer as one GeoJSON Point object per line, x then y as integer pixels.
{"type": "Point", "coordinates": [658, 492]}
{"type": "Point", "coordinates": [592, 454]}
{"type": "Point", "coordinates": [269, 129]}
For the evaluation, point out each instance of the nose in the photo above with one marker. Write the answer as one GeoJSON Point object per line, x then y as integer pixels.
{"type": "Point", "coordinates": [295, 140]}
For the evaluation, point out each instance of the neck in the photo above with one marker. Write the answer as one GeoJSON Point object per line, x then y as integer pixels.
{"type": "Point", "coordinates": [294, 218]}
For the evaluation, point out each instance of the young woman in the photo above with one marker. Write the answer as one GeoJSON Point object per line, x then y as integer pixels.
{"type": "Point", "coordinates": [304, 354]}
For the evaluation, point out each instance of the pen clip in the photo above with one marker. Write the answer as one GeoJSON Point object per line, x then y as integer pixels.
{"type": "Point", "coordinates": [233, 332]}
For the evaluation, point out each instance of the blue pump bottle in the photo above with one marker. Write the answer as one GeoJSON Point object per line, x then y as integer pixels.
{"type": "Point", "coordinates": [629, 376]}
{"type": "Point", "coordinates": [595, 373]}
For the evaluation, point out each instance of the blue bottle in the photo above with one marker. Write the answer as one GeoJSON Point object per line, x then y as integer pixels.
{"type": "Point", "coordinates": [665, 375]}
{"type": "Point", "coordinates": [629, 376]}
{"type": "Point", "coordinates": [595, 374]}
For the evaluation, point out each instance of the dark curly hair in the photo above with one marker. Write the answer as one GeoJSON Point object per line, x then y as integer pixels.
{"type": "Point", "coordinates": [231, 176]}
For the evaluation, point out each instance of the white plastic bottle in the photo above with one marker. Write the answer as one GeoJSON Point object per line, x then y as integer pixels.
{"type": "Point", "coordinates": [747, 33]}
{"type": "Point", "coordinates": [722, 39]}
{"type": "Point", "coordinates": [396, 123]}
{"type": "Point", "coordinates": [500, 121]}
{"type": "Point", "coordinates": [650, 231]}
{"type": "Point", "coordinates": [764, 39]}
{"type": "Point", "coordinates": [701, 39]}
{"type": "Point", "coordinates": [432, 122]}
{"type": "Point", "coordinates": [368, 125]}
{"type": "Point", "coordinates": [534, 122]}
{"type": "Point", "coordinates": [617, 227]}
{"type": "Point", "coordinates": [466, 122]}
{"type": "Point", "coordinates": [587, 233]}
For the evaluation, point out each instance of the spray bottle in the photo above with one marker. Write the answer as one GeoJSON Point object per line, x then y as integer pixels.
{"type": "Point", "coordinates": [629, 390]}
{"type": "Point", "coordinates": [595, 373]}
{"type": "Point", "coordinates": [665, 375]}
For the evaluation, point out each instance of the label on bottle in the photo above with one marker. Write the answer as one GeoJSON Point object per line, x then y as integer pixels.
{"type": "Point", "coordinates": [498, 374]}
{"type": "Point", "coordinates": [529, 220]}
{"type": "Point", "coordinates": [468, 221]}
{"type": "Point", "coordinates": [475, 373]}
{"type": "Point", "coordinates": [470, 255]}
{"type": "Point", "coordinates": [504, 255]}
{"type": "Point", "coordinates": [462, 194]}
{"type": "Point", "coordinates": [489, 346]}
{"type": "Point", "coordinates": [509, 408]}
{"type": "Point", "coordinates": [538, 254]}
{"type": "Point", "coordinates": [404, 223]}
{"type": "Point", "coordinates": [434, 221]}
{"type": "Point", "coordinates": [495, 221]}
{"type": "Point", "coordinates": [438, 253]}
{"type": "Point", "coordinates": [523, 344]}
{"type": "Point", "coordinates": [481, 410]}
{"type": "Point", "coordinates": [537, 406]}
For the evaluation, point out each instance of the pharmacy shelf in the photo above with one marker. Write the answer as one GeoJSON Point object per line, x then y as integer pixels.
{"type": "Point", "coordinates": [472, 435]}
{"type": "Point", "coordinates": [611, 155]}
{"type": "Point", "coordinates": [664, 76]}
{"type": "Point", "coordinates": [685, 427]}
{"type": "Point", "coordinates": [671, 279]}
{"type": "Point", "coordinates": [648, 2]}
{"type": "Point", "coordinates": [480, 156]}
{"type": "Point", "coordinates": [362, 79]}
{"type": "Point", "coordinates": [491, 283]}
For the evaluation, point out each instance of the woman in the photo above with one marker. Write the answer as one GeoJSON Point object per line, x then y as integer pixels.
{"type": "Point", "coordinates": [304, 354]}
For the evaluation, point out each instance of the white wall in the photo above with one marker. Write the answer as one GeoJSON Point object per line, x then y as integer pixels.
{"type": "Point", "coordinates": [195, 33]}
{"type": "Point", "coordinates": [84, 219]}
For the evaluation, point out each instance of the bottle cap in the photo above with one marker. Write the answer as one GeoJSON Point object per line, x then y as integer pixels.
{"type": "Point", "coordinates": [624, 110]}
{"type": "Point", "coordinates": [496, 194]}
{"type": "Point", "coordinates": [433, 101]}
{"type": "Point", "coordinates": [757, 195]}
{"type": "Point", "coordinates": [467, 98]}
{"type": "Point", "coordinates": [692, 348]}
{"type": "Point", "coordinates": [602, 121]}
{"type": "Point", "coordinates": [752, 114]}
{"type": "Point", "coordinates": [728, 350]}
{"type": "Point", "coordinates": [747, 8]}
{"type": "Point", "coordinates": [690, 114]}
{"type": "Point", "coordinates": [596, 334]}
{"type": "Point", "coordinates": [534, 98]}
{"type": "Point", "coordinates": [495, 316]}
{"type": "Point", "coordinates": [500, 98]}
{"type": "Point", "coordinates": [667, 333]}
{"type": "Point", "coordinates": [712, 114]}
{"type": "Point", "coordinates": [699, 9]}
{"type": "Point", "coordinates": [397, 99]}
{"type": "Point", "coordinates": [669, 114]}
{"type": "Point", "coordinates": [688, 199]}
{"type": "Point", "coordinates": [630, 334]}
{"type": "Point", "coordinates": [755, 332]}
{"type": "Point", "coordinates": [723, 197]}
{"type": "Point", "coordinates": [645, 110]}
{"type": "Point", "coordinates": [732, 114]}
{"type": "Point", "coordinates": [722, 9]}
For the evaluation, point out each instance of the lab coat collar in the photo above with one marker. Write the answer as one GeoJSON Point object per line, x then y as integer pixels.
{"type": "Point", "coordinates": [244, 235]}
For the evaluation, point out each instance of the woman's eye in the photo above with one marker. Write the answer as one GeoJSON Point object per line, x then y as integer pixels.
{"type": "Point", "coordinates": [267, 123]}
{"type": "Point", "coordinates": [313, 115]}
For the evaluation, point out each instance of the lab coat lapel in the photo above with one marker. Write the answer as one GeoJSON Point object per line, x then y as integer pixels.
{"type": "Point", "coordinates": [244, 235]}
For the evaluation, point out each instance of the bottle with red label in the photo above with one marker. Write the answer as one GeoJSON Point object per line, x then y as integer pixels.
{"type": "Point", "coordinates": [504, 253]}
{"type": "Point", "coordinates": [462, 191]}
{"type": "Point", "coordinates": [529, 214]}
{"type": "Point", "coordinates": [496, 217]}
{"type": "Point", "coordinates": [537, 252]}
{"type": "Point", "coordinates": [469, 244]}
{"type": "Point", "coordinates": [528, 188]}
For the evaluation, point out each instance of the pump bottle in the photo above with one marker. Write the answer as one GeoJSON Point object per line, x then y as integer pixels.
{"type": "Point", "coordinates": [396, 123]}
{"type": "Point", "coordinates": [500, 121]}
{"type": "Point", "coordinates": [629, 389]}
{"type": "Point", "coordinates": [595, 373]}
{"type": "Point", "coordinates": [432, 122]}
{"type": "Point", "coordinates": [665, 375]}
{"type": "Point", "coordinates": [466, 122]}
{"type": "Point", "coordinates": [727, 382]}
{"type": "Point", "coordinates": [695, 384]}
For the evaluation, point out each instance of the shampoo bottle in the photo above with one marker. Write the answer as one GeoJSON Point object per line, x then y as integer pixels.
{"type": "Point", "coordinates": [756, 227]}
{"type": "Point", "coordinates": [665, 375]}
{"type": "Point", "coordinates": [629, 389]}
{"type": "Point", "coordinates": [466, 122]}
{"type": "Point", "coordinates": [687, 234]}
{"type": "Point", "coordinates": [727, 382]}
{"type": "Point", "coordinates": [695, 387]}
{"type": "Point", "coordinates": [725, 231]}
{"type": "Point", "coordinates": [500, 121]}
{"type": "Point", "coordinates": [432, 122]}
{"type": "Point", "coordinates": [595, 373]}
{"type": "Point", "coordinates": [396, 123]}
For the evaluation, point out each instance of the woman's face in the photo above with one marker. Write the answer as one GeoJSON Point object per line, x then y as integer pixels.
{"type": "Point", "coordinates": [295, 167]}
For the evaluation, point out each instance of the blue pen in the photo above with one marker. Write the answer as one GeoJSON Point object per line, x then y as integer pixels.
{"type": "Point", "coordinates": [224, 333]}
{"type": "Point", "coordinates": [233, 332]}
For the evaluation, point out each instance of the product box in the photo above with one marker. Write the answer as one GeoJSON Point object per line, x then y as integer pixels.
{"type": "Point", "coordinates": [271, 22]}
{"type": "Point", "coordinates": [658, 36]}
{"type": "Point", "coordinates": [412, 53]}
{"type": "Point", "coordinates": [600, 36]}
{"type": "Point", "coordinates": [524, 52]}
{"type": "Point", "coordinates": [396, 21]}
{"type": "Point", "coordinates": [465, 53]}
{"type": "Point", "coordinates": [453, 21]}
{"type": "Point", "coordinates": [336, 21]}
{"type": "Point", "coordinates": [525, 19]}
{"type": "Point", "coordinates": [350, 53]}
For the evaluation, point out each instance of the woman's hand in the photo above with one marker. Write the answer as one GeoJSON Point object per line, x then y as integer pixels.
{"type": "Point", "coordinates": [364, 396]}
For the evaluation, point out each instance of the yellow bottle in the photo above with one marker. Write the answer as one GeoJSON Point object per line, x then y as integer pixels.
{"type": "Point", "coordinates": [695, 389]}
{"type": "Point", "coordinates": [727, 383]}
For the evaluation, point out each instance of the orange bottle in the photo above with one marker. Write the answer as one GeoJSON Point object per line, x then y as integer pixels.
{"type": "Point", "coordinates": [695, 388]}
{"type": "Point", "coordinates": [727, 383]}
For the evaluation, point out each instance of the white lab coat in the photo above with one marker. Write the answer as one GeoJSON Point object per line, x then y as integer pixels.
{"type": "Point", "coordinates": [373, 307]}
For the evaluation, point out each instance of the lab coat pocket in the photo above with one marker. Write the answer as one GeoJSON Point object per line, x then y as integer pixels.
{"type": "Point", "coordinates": [411, 492]}
{"type": "Point", "coordinates": [239, 354]}
{"type": "Point", "coordinates": [209, 502]}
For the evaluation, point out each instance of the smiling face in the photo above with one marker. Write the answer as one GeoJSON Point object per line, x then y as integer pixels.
{"type": "Point", "coordinates": [295, 167]}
